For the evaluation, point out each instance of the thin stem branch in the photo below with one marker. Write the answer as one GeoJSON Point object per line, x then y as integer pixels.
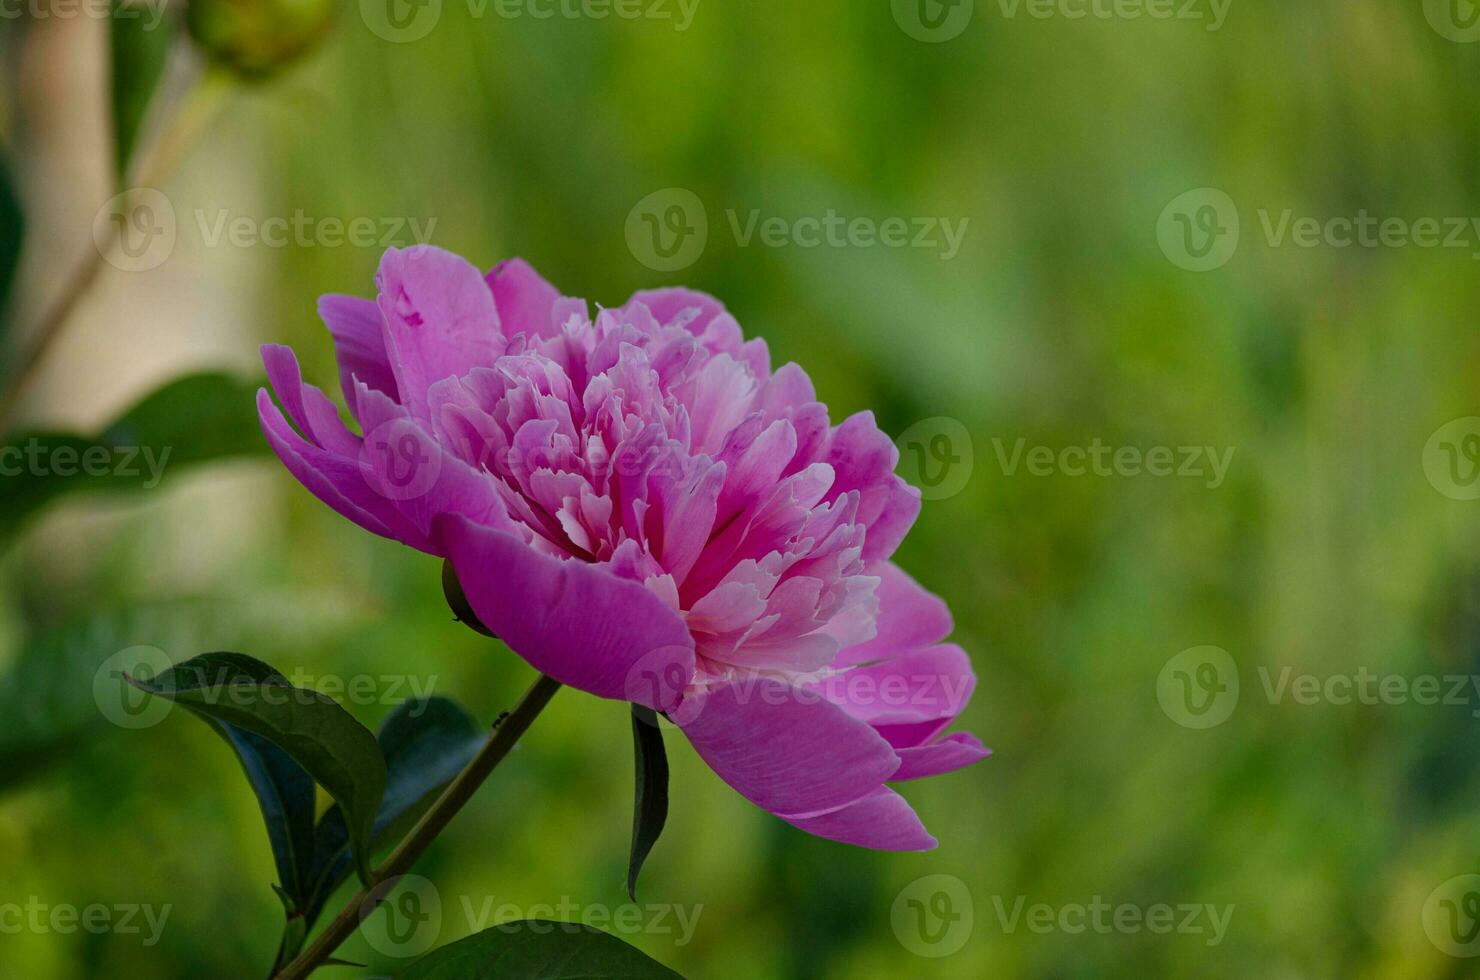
{"type": "Point", "coordinates": [197, 110]}
{"type": "Point", "coordinates": [506, 732]}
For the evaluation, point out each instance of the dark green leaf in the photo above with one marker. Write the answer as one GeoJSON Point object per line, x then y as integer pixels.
{"type": "Point", "coordinates": [650, 804]}
{"type": "Point", "coordinates": [139, 45]}
{"type": "Point", "coordinates": [339, 752]}
{"type": "Point", "coordinates": [12, 230]}
{"type": "Point", "coordinates": [537, 949]}
{"type": "Point", "coordinates": [426, 742]}
{"type": "Point", "coordinates": [192, 420]}
{"type": "Point", "coordinates": [285, 792]}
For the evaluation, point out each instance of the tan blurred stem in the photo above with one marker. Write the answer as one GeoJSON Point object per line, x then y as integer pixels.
{"type": "Point", "coordinates": [205, 99]}
{"type": "Point", "coordinates": [506, 732]}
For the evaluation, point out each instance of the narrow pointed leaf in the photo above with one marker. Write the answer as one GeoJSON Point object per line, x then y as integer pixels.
{"type": "Point", "coordinates": [139, 45]}
{"type": "Point", "coordinates": [426, 742]}
{"type": "Point", "coordinates": [319, 735]}
{"type": "Point", "coordinates": [285, 792]}
{"type": "Point", "coordinates": [538, 949]}
{"type": "Point", "coordinates": [650, 803]}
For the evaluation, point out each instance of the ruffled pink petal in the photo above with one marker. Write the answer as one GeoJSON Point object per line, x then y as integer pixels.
{"type": "Point", "coordinates": [359, 344]}
{"type": "Point", "coordinates": [955, 751]}
{"type": "Point", "coordinates": [524, 299]}
{"type": "Point", "coordinates": [574, 621]}
{"type": "Point", "coordinates": [863, 459]}
{"type": "Point", "coordinates": [440, 320]}
{"type": "Point", "coordinates": [702, 315]}
{"type": "Point", "coordinates": [909, 618]}
{"type": "Point", "coordinates": [882, 820]}
{"type": "Point", "coordinates": [889, 510]}
{"type": "Point", "coordinates": [783, 749]}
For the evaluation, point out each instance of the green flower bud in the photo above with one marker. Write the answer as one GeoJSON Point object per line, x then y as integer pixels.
{"type": "Point", "coordinates": [257, 37]}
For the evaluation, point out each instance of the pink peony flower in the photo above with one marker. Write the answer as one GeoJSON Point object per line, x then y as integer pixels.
{"type": "Point", "coordinates": [641, 508]}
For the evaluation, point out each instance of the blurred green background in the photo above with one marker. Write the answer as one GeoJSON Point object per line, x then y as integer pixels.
{"type": "Point", "coordinates": [1061, 320]}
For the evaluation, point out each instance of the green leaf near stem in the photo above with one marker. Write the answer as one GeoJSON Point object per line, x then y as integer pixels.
{"type": "Point", "coordinates": [335, 749]}
{"type": "Point", "coordinates": [285, 792]}
{"type": "Point", "coordinates": [426, 742]}
{"type": "Point", "coordinates": [139, 46]}
{"type": "Point", "coordinates": [538, 949]}
{"type": "Point", "coordinates": [195, 419]}
{"type": "Point", "coordinates": [650, 802]}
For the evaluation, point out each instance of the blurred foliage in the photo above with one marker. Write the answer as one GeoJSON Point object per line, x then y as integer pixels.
{"type": "Point", "coordinates": [1060, 322]}
{"type": "Point", "coordinates": [200, 418]}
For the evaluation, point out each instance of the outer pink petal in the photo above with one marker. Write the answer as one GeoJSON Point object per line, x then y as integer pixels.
{"type": "Point", "coordinates": [863, 459]}
{"type": "Point", "coordinates": [922, 685]}
{"type": "Point", "coordinates": [308, 407]}
{"type": "Point", "coordinates": [909, 618]}
{"type": "Point", "coordinates": [883, 820]}
{"type": "Point", "coordinates": [359, 344]}
{"type": "Point", "coordinates": [575, 621]}
{"type": "Point", "coordinates": [955, 751]}
{"type": "Point", "coordinates": [440, 320]}
{"type": "Point", "coordinates": [785, 750]}
{"type": "Point", "coordinates": [524, 299]}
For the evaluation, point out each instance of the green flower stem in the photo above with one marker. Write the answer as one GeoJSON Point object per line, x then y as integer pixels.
{"type": "Point", "coordinates": [505, 733]}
